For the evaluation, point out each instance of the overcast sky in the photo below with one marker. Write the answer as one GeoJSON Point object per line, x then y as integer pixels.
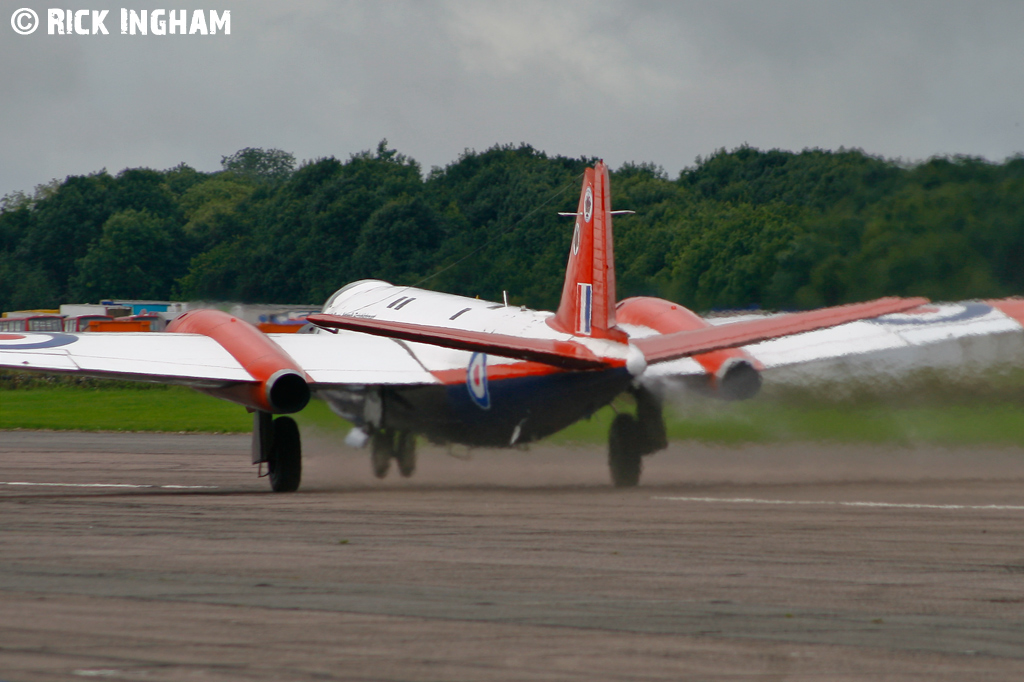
{"type": "Point", "coordinates": [627, 81]}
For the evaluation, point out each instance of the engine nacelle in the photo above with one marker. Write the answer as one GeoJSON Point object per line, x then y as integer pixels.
{"type": "Point", "coordinates": [737, 379]}
{"type": "Point", "coordinates": [281, 385]}
{"type": "Point", "coordinates": [732, 374]}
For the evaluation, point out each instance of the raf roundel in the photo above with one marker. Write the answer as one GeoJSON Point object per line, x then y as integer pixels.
{"type": "Point", "coordinates": [588, 206]}
{"type": "Point", "coordinates": [476, 381]}
{"type": "Point", "coordinates": [940, 314]}
{"type": "Point", "coordinates": [35, 340]}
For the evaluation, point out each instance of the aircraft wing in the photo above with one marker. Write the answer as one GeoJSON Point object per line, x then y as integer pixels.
{"type": "Point", "coordinates": [965, 336]}
{"type": "Point", "coordinates": [188, 359]}
{"type": "Point", "coordinates": [201, 362]}
{"type": "Point", "coordinates": [668, 347]}
{"type": "Point", "coordinates": [565, 354]}
{"type": "Point", "coordinates": [659, 348]}
{"type": "Point", "coordinates": [348, 358]}
{"type": "Point", "coordinates": [962, 336]}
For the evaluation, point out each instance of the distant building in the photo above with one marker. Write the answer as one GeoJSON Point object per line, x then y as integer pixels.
{"type": "Point", "coordinates": [166, 309]}
{"type": "Point", "coordinates": [111, 314]}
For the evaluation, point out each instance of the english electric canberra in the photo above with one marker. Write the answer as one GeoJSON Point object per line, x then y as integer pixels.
{"type": "Point", "coordinates": [401, 362]}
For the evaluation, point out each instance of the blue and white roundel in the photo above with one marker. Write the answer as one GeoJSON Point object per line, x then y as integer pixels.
{"type": "Point", "coordinates": [16, 341]}
{"type": "Point", "coordinates": [476, 381]}
{"type": "Point", "coordinates": [936, 314]}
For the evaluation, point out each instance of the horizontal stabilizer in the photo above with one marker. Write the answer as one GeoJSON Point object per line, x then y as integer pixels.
{"type": "Point", "coordinates": [685, 343]}
{"type": "Point", "coordinates": [575, 213]}
{"type": "Point", "coordinates": [564, 354]}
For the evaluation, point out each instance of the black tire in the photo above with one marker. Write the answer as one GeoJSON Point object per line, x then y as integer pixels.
{"type": "Point", "coordinates": [405, 453]}
{"type": "Point", "coordinates": [285, 461]}
{"type": "Point", "coordinates": [624, 459]}
{"type": "Point", "coordinates": [381, 450]}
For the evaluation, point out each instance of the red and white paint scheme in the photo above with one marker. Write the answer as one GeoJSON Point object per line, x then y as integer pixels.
{"type": "Point", "coordinates": [401, 362]}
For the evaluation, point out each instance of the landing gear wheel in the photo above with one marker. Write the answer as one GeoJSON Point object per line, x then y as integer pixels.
{"type": "Point", "coordinates": [381, 448]}
{"type": "Point", "coordinates": [624, 458]}
{"type": "Point", "coordinates": [285, 460]}
{"type": "Point", "coordinates": [390, 444]}
{"type": "Point", "coordinates": [405, 453]}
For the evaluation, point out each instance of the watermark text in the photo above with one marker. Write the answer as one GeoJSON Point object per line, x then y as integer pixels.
{"type": "Point", "coordinates": [156, 22]}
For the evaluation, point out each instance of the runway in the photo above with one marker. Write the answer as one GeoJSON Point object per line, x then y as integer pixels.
{"type": "Point", "coordinates": [163, 557]}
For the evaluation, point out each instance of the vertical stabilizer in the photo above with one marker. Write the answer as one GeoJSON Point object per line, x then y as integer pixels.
{"type": "Point", "coordinates": [588, 296]}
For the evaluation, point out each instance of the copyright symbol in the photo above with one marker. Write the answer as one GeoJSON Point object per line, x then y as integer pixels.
{"type": "Point", "coordinates": [24, 21]}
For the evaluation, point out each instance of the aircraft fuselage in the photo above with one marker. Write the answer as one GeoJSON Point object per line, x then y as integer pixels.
{"type": "Point", "coordinates": [476, 399]}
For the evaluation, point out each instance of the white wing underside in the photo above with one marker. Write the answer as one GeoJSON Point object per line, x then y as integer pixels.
{"type": "Point", "coordinates": [197, 360]}
{"type": "Point", "coordinates": [966, 336]}
{"type": "Point", "coordinates": [348, 358]}
{"type": "Point", "coordinates": [173, 358]}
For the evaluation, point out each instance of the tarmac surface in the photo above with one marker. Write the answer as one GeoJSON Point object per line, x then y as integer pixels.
{"type": "Point", "coordinates": [802, 562]}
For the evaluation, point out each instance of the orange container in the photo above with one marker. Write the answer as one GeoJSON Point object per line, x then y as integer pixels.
{"type": "Point", "coordinates": [119, 325]}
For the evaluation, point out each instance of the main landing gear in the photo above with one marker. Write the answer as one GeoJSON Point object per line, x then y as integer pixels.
{"type": "Point", "coordinates": [630, 438]}
{"type": "Point", "coordinates": [388, 444]}
{"type": "Point", "coordinates": [277, 442]}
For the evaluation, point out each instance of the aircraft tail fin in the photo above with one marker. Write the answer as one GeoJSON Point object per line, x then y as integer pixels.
{"type": "Point", "coordinates": [588, 300]}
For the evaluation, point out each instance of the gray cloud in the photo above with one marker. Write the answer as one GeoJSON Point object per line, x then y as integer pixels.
{"type": "Point", "coordinates": [644, 81]}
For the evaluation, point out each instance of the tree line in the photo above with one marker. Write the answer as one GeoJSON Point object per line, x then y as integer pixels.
{"type": "Point", "coordinates": [738, 229]}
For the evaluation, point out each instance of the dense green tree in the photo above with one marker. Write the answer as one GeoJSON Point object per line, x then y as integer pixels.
{"type": "Point", "coordinates": [182, 177]}
{"type": "Point", "coordinates": [506, 234]}
{"type": "Point", "coordinates": [918, 242]}
{"type": "Point", "coordinates": [16, 220]}
{"type": "Point", "coordinates": [814, 178]}
{"type": "Point", "coordinates": [398, 241]}
{"type": "Point", "coordinates": [138, 255]}
{"type": "Point", "coordinates": [644, 242]}
{"type": "Point", "coordinates": [327, 209]}
{"type": "Point", "coordinates": [63, 227]}
{"type": "Point", "coordinates": [260, 165]}
{"type": "Point", "coordinates": [740, 228]}
{"type": "Point", "coordinates": [729, 254]}
{"type": "Point", "coordinates": [215, 274]}
{"type": "Point", "coordinates": [143, 189]}
{"type": "Point", "coordinates": [211, 209]}
{"type": "Point", "coordinates": [24, 286]}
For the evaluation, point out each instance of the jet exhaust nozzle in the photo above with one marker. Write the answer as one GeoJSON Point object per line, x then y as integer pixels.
{"type": "Point", "coordinates": [738, 380]}
{"type": "Point", "coordinates": [287, 391]}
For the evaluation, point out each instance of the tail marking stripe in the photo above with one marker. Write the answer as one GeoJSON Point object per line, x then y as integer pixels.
{"type": "Point", "coordinates": [585, 306]}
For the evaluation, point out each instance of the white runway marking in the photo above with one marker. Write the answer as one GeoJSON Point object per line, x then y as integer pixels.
{"type": "Point", "coordinates": [887, 505]}
{"type": "Point", "coordinates": [110, 485]}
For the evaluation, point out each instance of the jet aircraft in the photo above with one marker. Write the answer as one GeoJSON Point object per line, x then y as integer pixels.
{"type": "Point", "coordinates": [402, 362]}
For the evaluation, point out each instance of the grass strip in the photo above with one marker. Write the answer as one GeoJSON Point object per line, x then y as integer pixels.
{"type": "Point", "coordinates": [761, 420]}
{"type": "Point", "coordinates": [171, 409]}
